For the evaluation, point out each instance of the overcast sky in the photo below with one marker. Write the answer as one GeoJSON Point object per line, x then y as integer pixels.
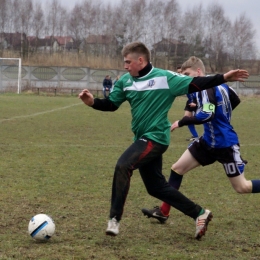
{"type": "Point", "coordinates": [233, 9]}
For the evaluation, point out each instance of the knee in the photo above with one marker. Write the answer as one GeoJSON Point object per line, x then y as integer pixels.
{"type": "Point", "coordinates": [176, 168]}
{"type": "Point", "coordinates": [153, 191]}
{"type": "Point", "coordinates": [120, 166]}
{"type": "Point", "coordinates": [158, 189]}
{"type": "Point", "coordinates": [123, 167]}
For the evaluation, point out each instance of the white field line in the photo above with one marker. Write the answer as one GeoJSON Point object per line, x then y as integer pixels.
{"type": "Point", "coordinates": [39, 113]}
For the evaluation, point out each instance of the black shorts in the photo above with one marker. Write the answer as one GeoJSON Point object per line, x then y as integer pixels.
{"type": "Point", "coordinates": [229, 157]}
{"type": "Point", "coordinates": [189, 108]}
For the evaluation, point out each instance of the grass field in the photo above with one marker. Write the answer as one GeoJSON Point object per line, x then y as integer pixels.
{"type": "Point", "coordinates": [58, 156]}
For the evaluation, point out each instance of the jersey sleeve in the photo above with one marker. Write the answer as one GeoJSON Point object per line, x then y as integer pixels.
{"type": "Point", "coordinates": [117, 95]}
{"type": "Point", "coordinates": [178, 83]}
{"type": "Point", "coordinates": [234, 98]}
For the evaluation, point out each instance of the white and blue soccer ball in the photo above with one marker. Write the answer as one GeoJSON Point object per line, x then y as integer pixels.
{"type": "Point", "coordinates": [41, 227]}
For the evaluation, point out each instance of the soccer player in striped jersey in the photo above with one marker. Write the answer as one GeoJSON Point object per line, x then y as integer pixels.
{"type": "Point", "coordinates": [150, 92]}
{"type": "Point", "coordinates": [189, 109]}
{"type": "Point", "coordinates": [219, 141]}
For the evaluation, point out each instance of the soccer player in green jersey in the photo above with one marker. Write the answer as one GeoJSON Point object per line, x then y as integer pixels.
{"type": "Point", "coordinates": [151, 92]}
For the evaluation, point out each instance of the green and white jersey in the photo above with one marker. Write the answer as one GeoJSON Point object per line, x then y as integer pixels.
{"type": "Point", "coordinates": [150, 98]}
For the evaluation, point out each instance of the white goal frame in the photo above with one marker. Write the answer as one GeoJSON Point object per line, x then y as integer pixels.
{"type": "Point", "coordinates": [19, 77]}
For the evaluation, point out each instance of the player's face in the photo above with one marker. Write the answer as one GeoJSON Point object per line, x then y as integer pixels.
{"type": "Point", "coordinates": [190, 72]}
{"type": "Point", "coordinates": [133, 64]}
{"type": "Point", "coordinates": [193, 72]}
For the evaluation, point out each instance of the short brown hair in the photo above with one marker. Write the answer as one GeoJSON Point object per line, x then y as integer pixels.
{"type": "Point", "coordinates": [137, 48]}
{"type": "Point", "coordinates": [193, 63]}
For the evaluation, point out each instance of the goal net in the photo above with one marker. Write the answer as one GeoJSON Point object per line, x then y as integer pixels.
{"type": "Point", "coordinates": [10, 74]}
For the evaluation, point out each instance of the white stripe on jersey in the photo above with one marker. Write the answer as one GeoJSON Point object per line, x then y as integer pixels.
{"type": "Point", "coordinates": [150, 84]}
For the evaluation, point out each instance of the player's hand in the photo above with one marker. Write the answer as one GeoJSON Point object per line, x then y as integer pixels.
{"type": "Point", "coordinates": [175, 125]}
{"type": "Point", "coordinates": [236, 75]}
{"type": "Point", "coordinates": [86, 97]}
{"type": "Point", "coordinates": [192, 104]}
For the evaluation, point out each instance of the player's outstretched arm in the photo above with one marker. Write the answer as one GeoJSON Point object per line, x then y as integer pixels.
{"type": "Point", "coordinates": [86, 97]}
{"type": "Point", "coordinates": [103, 104]}
{"type": "Point", "coordinates": [236, 75]}
{"type": "Point", "coordinates": [200, 83]}
{"type": "Point", "coordinates": [175, 125]}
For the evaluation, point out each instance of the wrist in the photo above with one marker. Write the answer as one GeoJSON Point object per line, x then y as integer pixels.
{"type": "Point", "coordinates": [225, 77]}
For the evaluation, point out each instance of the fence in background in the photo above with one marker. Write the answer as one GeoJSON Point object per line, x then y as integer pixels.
{"type": "Point", "coordinates": [73, 80]}
{"type": "Point", "coordinates": [54, 79]}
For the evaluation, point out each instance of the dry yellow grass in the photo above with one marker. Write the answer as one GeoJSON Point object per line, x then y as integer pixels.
{"type": "Point", "coordinates": [70, 59]}
{"type": "Point", "coordinates": [73, 59]}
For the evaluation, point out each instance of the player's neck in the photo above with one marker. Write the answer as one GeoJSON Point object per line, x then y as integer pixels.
{"type": "Point", "coordinates": [145, 70]}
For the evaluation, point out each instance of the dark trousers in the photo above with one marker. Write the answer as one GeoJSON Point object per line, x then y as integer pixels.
{"type": "Point", "coordinates": [146, 155]}
{"type": "Point", "coordinates": [106, 91]}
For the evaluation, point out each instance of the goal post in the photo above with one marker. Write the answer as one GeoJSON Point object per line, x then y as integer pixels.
{"type": "Point", "coordinates": [11, 73]}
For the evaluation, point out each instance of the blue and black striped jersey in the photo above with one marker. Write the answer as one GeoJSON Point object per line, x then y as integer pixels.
{"type": "Point", "coordinates": [214, 111]}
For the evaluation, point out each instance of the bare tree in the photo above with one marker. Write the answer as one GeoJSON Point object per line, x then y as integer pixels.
{"type": "Point", "coordinates": [37, 20]}
{"type": "Point", "coordinates": [90, 13]}
{"type": "Point", "coordinates": [192, 31]}
{"type": "Point", "coordinates": [52, 18]}
{"type": "Point", "coordinates": [134, 23]}
{"type": "Point", "coordinates": [37, 23]}
{"type": "Point", "coordinates": [76, 26]}
{"type": "Point", "coordinates": [171, 18]}
{"type": "Point", "coordinates": [62, 21]}
{"type": "Point", "coordinates": [156, 22]}
{"type": "Point", "coordinates": [3, 15]}
{"type": "Point", "coordinates": [242, 41]}
{"type": "Point", "coordinates": [217, 30]}
{"type": "Point", "coordinates": [171, 29]}
{"type": "Point", "coordinates": [23, 10]}
{"type": "Point", "coordinates": [155, 31]}
{"type": "Point", "coordinates": [55, 23]}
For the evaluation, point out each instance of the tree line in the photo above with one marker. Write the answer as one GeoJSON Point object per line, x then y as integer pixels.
{"type": "Point", "coordinates": [205, 31]}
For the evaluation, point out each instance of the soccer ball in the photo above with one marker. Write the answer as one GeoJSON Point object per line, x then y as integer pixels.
{"type": "Point", "coordinates": [41, 227]}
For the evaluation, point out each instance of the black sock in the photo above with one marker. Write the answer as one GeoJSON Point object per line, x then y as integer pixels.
{"type": "Point", "coordinates": [175, 180]}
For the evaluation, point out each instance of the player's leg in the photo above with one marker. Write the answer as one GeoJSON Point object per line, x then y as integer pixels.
{"type": "Point", "coordinates": [158, 187]}
{"type": "Point", "coordinates": [195, 155]}
{"type": "Point", "coordinates": [241, 184]}
{"type": "Point", "coordinates": [140, 153]}
{"type": "Point", "coordinates": [194, 133]}
{"type": "Point", "coordinates": [185, 163]}
{"type": "Point", "coordinates": [104, 92]}
{"type": "Point", "coordinates": [234, 169]}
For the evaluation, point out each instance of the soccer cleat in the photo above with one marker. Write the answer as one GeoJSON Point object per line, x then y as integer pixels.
{"type": "Point", "coordinates": [155, 213]}
{"type": "Point", "coordinates": [113, 227]}
{"type": "Point", "coordinates": [202, 223]}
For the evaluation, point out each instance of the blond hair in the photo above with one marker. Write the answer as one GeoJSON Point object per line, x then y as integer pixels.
{"type": "Point", "coordinates": [193, 63]}
{"type": "Point", "coordinates": [138, 48]}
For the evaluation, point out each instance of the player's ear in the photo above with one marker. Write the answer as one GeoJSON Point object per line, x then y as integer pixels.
{"type": "Point", "coordinates": [141, 59]}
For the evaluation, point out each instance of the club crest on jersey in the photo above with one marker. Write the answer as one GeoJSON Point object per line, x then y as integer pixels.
{"type": "Point", "coordinates": [151, 83]}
